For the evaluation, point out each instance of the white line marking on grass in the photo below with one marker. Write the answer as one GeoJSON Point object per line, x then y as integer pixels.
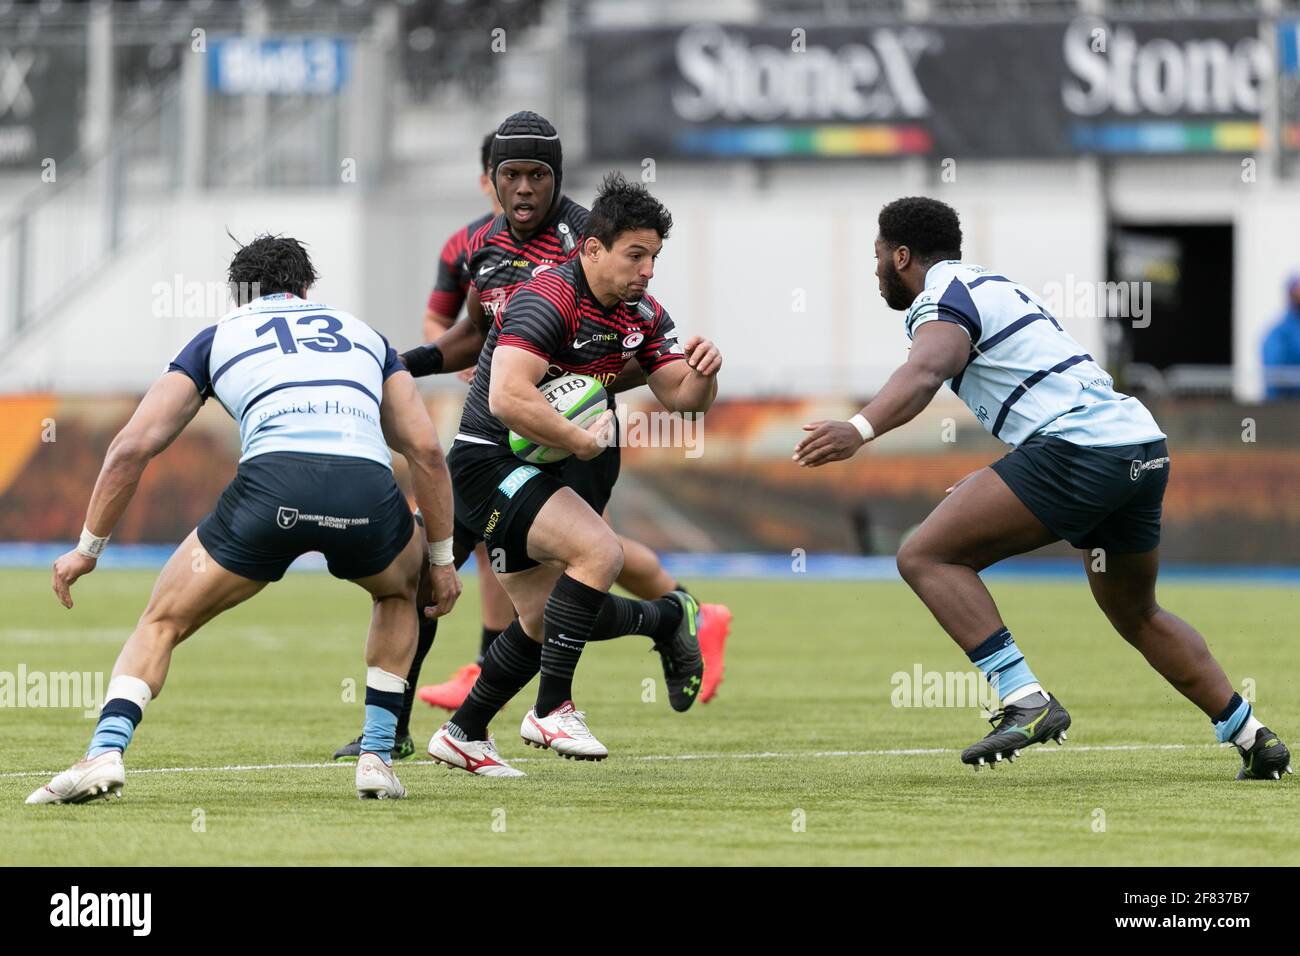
{"type": "Point", "coordinates": [764, 755]}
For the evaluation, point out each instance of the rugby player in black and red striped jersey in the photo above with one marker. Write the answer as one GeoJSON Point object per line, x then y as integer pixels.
{"type": "Point", "coordinates": [452, 284]}
{"type": "Point", "coordinates": [538, 228]}
{"type": "Point", "coordinates": [498, 255]}
{"type": "Point", "coordinates": [558, 558]}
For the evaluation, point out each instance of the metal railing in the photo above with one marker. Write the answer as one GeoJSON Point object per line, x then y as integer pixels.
{"type": "Point", "coordinates": [298, 145]}
{"type": "Point", "coordinates": [97, 204]}
{"type": "Point", "coordinates": [86, 210]}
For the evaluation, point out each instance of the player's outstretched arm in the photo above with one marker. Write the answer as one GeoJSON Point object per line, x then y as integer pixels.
{"type": "Point", "coordinates": [408, 430]}
{"type": "Point", "coordinates": [513, 397]}
{"type": "Point", "coordinates": [939, 351]}
{"type": "Point", "coordinates": [162, 414]}
{"type": "Point", "coordinates": [456, 349]}
{"type": "Point", "coordinates": [691, 385]}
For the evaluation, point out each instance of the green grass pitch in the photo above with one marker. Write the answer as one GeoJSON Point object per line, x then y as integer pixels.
{"type": "Point", "coordinates": [795, 762]}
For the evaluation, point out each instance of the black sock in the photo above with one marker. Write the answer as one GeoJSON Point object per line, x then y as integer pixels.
{"type": "Point", "coordinates": [569, 618]}
{"type": "Point", "coordinates": [484, 642]}
{"type": "Point", "coordinates": [509, 664]}
{"type": "Point", "coordinates": [428, 631]}
{"type": "Point", "coordinates": [619, 616]}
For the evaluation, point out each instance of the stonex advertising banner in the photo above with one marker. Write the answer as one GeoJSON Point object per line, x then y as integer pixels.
{"type": "Point", "coordinates": [889, 88]}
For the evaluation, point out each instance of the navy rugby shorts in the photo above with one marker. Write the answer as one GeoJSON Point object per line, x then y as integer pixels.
{"type": "Point", "coordinates": [284, 504]}
{"type": "Point", "coordinates": [1108, 497]}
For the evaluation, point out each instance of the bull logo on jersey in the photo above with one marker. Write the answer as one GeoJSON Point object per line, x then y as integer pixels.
{"type": "Point", "coordinates": [286, 518]}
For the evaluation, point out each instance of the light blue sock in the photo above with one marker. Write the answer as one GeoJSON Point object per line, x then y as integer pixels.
{"type": "Point", "coordinates": [1232, 719]}
{"type": "Point", "coordinates": [1002, 663]}
{"type": "Point", "coordinates": [116, 726]}
{"type": "Point", "coordinates": [380, 731]}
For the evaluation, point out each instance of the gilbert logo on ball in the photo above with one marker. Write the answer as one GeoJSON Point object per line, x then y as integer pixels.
{"type": "Point", "coordinates": [579, 398]}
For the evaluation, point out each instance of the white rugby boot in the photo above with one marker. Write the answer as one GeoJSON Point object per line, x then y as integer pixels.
{"type": "Point", "coordinates": [563, 730]}
{"type": "Point", "coordinates": [475, 756]}
{"type": "Point", "coordinates": [85, 780]}
{"type": "Point", "coordinates": [376, 779]}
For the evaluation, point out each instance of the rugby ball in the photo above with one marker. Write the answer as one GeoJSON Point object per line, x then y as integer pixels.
{"type": "Point", "coordinates": [579, 398]}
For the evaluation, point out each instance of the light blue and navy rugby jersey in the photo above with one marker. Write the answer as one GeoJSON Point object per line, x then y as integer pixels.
{"type": "Point", "coordinates": [297, 376]}
{"type": "Point", "coordinates": [1026, 375]}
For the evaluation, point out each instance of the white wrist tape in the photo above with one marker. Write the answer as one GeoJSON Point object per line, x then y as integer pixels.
{"type": "Point", "coordinates": [90, 545]}
{"type": "Point", "coordinates": [864, 428]}
{"type": "Point", "coordinates": [440, 552]}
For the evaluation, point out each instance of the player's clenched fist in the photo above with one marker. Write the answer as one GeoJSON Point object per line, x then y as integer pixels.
{"type": "Point", "coordinates": [702, 356]}
{"type": "Point", "coordinates": [446, 590]}
{"type": "Point", "coordinates": [67, 569]}
{"type": "Point", "coordinates": [600, 434]}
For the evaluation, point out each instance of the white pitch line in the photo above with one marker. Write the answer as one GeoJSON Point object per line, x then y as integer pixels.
{"type": "Point", "coordinates": [764, 755]}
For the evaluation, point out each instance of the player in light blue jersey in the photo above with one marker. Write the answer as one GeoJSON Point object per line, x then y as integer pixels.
{"type": "Point", "coordinates": [1089, 466]}
{"type": "Point", "coordinates": [319, 396]}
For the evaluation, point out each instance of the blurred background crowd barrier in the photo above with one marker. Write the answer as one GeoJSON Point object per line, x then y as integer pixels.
{"type": "Point", "coordinates": [1135, 163]}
